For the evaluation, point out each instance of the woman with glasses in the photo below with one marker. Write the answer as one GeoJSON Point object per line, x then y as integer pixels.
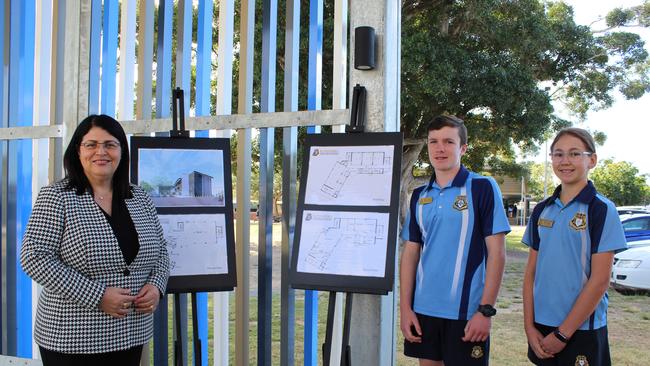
{"type": "Point", "coordinates": [572, 236]}
{"type": "Point", "coordinates": [94, 243]}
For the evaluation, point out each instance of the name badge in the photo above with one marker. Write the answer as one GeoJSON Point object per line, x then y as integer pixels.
{"type": "Point", "coordinates": [425, 200]}
{"type": "Point", "coordinates": [545, 222]}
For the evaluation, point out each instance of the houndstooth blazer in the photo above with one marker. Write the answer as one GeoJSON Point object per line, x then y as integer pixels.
{"type": "Point", "coordinates": [69, 248]}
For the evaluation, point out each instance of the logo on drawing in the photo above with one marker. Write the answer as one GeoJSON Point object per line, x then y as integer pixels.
{"type": "Point", "coordinates": [460, 203]}
{"type": "Point", "coordinates": [581, 361]}
{"type": "Point", "coordinates": [579, 221]}
{"type": "Point", "coordinates": [477, 352]}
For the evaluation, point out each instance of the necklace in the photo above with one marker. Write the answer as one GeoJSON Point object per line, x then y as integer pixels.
{"type": "Point", "coordinates": [101, 198]}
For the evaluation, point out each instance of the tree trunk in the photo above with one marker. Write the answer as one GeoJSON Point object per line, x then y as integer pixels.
{"type": "Point", "coordinates": [412, 148]}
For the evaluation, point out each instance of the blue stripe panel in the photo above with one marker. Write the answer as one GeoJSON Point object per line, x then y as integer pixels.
{"type": "Point", "coordinates": [2, 148]}
{"type": "Point", "coordinates": [160, 342]}
{"type": "Point", "coordinates": [311, 328]}
{"type": "Point", "coordinates": [203, 73]}
{"type": "Point", "coordinates": [164, 60]}
{"type": "Point", "coordinates": [265, 259]}
{"type": "Point", "coordinates": [203, 57]}
{"type": "Point", "coordinates": [315, 73]}
{"type": "Point", "coordinates": [202, 317]}
{"type": "Point", "coordinates": [314, 96]}
{"type": "Point", "coordinates": [21, 90]}
{"type": "Point", "coordinates": [95, 44]}
{"type": "Point", "coordinates": [109, 56]}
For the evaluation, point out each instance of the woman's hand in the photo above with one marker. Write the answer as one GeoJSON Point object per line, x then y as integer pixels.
{"type": "Point", "coordinates": [146, 301]}
{"type": "Point", "coordinates": [116, 301]}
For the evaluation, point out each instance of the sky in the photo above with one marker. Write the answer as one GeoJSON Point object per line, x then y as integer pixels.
{"type": "Point", "coordinates": [626, 122]}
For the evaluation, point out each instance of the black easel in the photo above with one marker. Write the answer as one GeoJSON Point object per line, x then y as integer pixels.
{"type": "Point", "coordinates": [178, 104]}
{"type": "Point", "coordinates": [357, 124]}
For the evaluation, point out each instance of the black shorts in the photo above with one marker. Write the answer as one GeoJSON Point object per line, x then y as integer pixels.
{"type": "Point", "coordinates": [586, 347]}
{"type": "Point", "coordinates": [442, 341]}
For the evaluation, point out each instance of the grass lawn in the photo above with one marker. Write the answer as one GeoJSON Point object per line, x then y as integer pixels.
{"type": "Point", "coordinates": [629, 320]}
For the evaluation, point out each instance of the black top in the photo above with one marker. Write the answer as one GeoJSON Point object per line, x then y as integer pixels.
{"type": "Point", "coordinates": [123, 229]}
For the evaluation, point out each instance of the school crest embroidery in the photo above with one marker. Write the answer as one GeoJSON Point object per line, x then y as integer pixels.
{"type": "Point", "coordinates": [477, 352]}
{"type": "Point", "coordinates": [579, 221]}
{"type": "Point", "coordinates": [460, 203]}
{"type": "Point", "coordinates": [581, 361]}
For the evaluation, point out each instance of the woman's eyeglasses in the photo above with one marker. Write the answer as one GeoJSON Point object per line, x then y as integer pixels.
{"type": "Point", "coordinates": [94, 145]}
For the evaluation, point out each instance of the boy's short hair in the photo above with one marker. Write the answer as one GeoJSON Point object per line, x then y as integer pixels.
{"type": "Point", "coordinates": [579, 133]}
{"type": "Point", "coordinates": [446, 120]}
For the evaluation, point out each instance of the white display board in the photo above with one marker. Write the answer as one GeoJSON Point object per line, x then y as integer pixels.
{"type": "Point", "coordinates": [196, 244]}
{"type": "Point", "coordinates": [350, 175]}
{"type": "Point", "coordinates": [343, 243]}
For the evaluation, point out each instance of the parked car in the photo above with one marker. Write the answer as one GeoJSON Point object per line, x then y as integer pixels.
{"type": "Point", "coordinates": [626, 210]}
{"type": "Point", "coordinates": [631, 271]}
{"type": "Point", "coordinates": [637, 228]}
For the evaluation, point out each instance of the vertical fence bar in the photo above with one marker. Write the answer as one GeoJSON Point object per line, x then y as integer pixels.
{"type": "Point", "coordinates": [42, 68]}
{"type": "Point", "coordinates": [314, 94]}
{"type": "Point", "coordinates": [164, 59]}
{"type": "Point", "coordinates": [202, 96]}
{"type": "Point", "coordinates": [223, 106]}
{"type": "Point", "coordinates": [19, 198]}
{"type": "Point", "coordinates": [163, 105]}
{"type": "Point", "coordinates": [184, 49]}
{"type": "Point", "coordinates": [145, 60]}
{"type": "Point", "coordinates": [109, 56]}
{"type": "Point", "coordinates": [127, 60]}
{"type": "Point", "coordinates": [95, 54]}
{"type": "Point", "coordinates": [289, 177]}
{"type": "Point", "coordinates": [265, 242]}
{"type": "Point", "coordinates": [183, 80]}
{"type": "Point", "coordinates": [339, 101]}
{"type": "Point", "coordinates": [245, 106]}
{"type": "Point", "coordinates": [144, 87]}
{"type": "Point", "coordinates": [4, 49]}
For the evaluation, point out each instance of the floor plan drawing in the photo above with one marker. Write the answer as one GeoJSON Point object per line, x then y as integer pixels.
{"type": "Point", "coordinates": [196, 244]}
{"type": "Point", "coordinates": [349, 175]}
{"type": "Point", "coordinates": [343, 243]}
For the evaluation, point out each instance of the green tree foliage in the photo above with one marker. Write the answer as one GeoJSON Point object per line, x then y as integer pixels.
{"type": "Point", "coordinates": [500, 64]}
{"type": "Point", "coordinates": [621, 183]}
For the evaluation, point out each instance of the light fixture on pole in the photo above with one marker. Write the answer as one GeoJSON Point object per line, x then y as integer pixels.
{"type": "Point", "coordinates": [364, 48]}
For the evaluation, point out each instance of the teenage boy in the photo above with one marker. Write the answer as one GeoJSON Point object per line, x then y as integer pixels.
{"type": "Point", "coordinates": [572, 236]}
{"type": "Point", "coordinates": [453, 258]}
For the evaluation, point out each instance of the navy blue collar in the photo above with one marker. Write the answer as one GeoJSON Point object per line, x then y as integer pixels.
{"type": "Point", "coordinates": [459, 179]}
{"type": "Point", "coordinates": [586, 195]}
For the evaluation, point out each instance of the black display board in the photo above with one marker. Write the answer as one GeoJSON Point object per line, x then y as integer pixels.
{"type": "Point", "coordinates": [347, 216]}
{"type": "Point", "coordinates": [189, 181]}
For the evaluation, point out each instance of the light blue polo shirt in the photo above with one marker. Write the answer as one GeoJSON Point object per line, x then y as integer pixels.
{"type": "Point", "coordinates": [565, 237]}
{"type": "Point", "coordinates": [451, 223]}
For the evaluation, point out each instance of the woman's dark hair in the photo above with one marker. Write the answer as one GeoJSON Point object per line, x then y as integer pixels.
{"type": "Point", "coordinates": [74, 172]}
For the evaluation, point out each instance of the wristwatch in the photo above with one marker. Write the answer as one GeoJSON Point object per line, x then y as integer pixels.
{"type": "Point", "coordinates": [487, 310]}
